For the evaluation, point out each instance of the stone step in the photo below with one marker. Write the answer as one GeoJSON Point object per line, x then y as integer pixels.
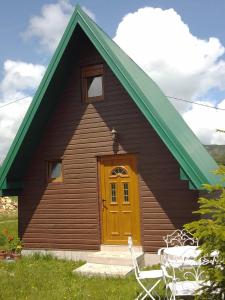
{"type": "Point", "coordinates": [92, 269]}
{"type": "Point", "coordinates": [120, 248]}
{"type": "Point", "coordinates": [114, 258]}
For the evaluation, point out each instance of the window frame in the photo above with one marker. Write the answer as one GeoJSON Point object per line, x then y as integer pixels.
{"type": "Point", "coordinates": [88, 72]}
{"type": "Point", "coordinates": [49, 169]}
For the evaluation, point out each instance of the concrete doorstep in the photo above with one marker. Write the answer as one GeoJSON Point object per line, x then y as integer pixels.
{"type": "Point", "coordinates": [92, 269]}
{"type": "Point", "coordinates": [109, 263]}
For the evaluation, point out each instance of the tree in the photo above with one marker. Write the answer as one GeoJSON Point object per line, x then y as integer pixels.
{"type": "Point", "coordinates": [210, 230]}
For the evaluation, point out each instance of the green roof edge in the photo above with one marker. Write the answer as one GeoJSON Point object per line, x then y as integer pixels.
{"type": "Point", "coordinates": [197, 178]}
{"type": "Point", "coordinates": [194, 174]}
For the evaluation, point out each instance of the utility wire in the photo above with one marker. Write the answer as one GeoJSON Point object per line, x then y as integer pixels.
{"type": "Point", "coordinates": [174, 98]}
{"type": "Point", "coordinates": [196, 103]}
{"type": "Point", "coordinates": [16, 100]}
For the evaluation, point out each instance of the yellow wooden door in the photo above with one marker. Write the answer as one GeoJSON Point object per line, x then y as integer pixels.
{"type": "Point", "coordinates": [120, 199]}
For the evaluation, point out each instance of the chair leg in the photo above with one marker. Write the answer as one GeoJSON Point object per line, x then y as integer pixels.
{"type": "Point", "coordinates": [144, 294]}
{"type": "Point", "coordinates": [172, 297]}
{"type": "Point", "coordinates": [147, 292]}
{"type": "Point", "coordinates": [166, 290]}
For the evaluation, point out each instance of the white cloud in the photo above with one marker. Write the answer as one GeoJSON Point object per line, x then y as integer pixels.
{"type": "Point", "coordinates": [10, 120]}
{"type": "Point", "coordinates": [20, 79]}
{"type": "Point", "coordinates": [204, 122]}
{"type": "Point", "coordinates": [182, 64]}
{"type": "Point", "coordinates": [49, 26]}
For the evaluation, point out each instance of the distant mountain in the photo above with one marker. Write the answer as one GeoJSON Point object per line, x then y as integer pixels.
{"type": "Point", "coordinates": [217, 152]}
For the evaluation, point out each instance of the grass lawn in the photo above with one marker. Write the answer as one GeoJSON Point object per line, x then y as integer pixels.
{"type": "Point", "coordinates": [46, 278]}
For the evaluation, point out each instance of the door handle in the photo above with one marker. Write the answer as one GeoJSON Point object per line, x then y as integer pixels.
{"type": "Point", "coordinates": [103, 204]}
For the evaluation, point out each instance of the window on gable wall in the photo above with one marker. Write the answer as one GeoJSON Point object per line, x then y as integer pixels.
{"type": "Point", "coordinates": [55, 171]}
{"type": "Point", "coordinates": [92, 83]}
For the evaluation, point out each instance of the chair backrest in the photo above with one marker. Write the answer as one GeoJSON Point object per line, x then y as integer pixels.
{"type": "Point", "coordinates": [133, 256]}
{"type": "Point", "coordinates": [180, 238]}
{"type": "Point", "coordinates": [190, 268]}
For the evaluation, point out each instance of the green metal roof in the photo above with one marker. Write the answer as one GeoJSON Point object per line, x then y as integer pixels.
{"type": "Point", "coordinates": [196, 164]}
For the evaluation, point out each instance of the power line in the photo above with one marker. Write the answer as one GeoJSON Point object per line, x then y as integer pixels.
{"type": "Point", "coordinates": [174, 98]}
{"type": "Point", "coordinates": [196, 103]}
{"type": "Point", "coordinates": [16, 100]}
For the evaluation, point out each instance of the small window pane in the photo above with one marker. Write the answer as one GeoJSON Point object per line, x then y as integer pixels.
{"type": "Point", "coordinates": [113, 192]}
{"type": "Point", "coordinates": [56, 170]}
{"type": "Point", "coordinates": [126, 192]}
{"type": "Point", "coordinates": [94, 86]}
{"type": "Point", "coordinates": [92, 83]}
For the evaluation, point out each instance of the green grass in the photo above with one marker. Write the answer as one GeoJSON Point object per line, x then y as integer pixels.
{"type": "Point", "coordinates": [5, 218]}
{"type": "Point", "coordinates": [46, 278]}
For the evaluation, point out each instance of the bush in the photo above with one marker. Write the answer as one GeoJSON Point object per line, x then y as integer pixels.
{"type": "Point", "coordinates": [10, 242]}
{"type": "Point", "coordinates": [210, 230]}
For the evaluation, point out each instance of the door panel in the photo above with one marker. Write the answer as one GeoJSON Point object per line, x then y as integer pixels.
{"type": "Point", "coordinates": [120, 199]}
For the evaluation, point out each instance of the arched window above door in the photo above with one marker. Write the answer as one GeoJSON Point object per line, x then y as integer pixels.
{"type": "Point", "coordinates": [118, 171]}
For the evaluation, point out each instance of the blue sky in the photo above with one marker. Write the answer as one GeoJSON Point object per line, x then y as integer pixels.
{"type": "Point", "coordinates": [205, 19]}
{"type": "Point", "coordinates": [181, 46]}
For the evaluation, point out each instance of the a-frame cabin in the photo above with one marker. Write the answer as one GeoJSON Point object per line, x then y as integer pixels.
{"type": "Point", "coordinates": [101, 153]}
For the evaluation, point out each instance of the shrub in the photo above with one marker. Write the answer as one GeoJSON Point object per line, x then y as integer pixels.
{"type": "Point", "coordinates": [210, 230]}
{"type": "Point", "coordinates": [11, 243]}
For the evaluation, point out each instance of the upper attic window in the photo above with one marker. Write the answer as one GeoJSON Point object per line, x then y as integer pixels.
{"type": "Point", "coordinates": [55, 171]}
{"type": "Point", "coordinates": [92, 83]}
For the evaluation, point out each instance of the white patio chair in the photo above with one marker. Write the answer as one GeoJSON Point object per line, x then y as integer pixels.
{"type": "Point", "coordinates": [181, 279]}
{"type": "Point", "coordinates": [185, 242]}
{"type": "Point", "coordinates": [143, 275]}
{"type": "Point", "coordinates": [180, 237]}
{"type": "Point", "coordinates": [180, 288]}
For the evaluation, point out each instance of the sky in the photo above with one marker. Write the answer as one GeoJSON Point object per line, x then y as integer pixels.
{"type": "Point", "coordinates": [180, 44]}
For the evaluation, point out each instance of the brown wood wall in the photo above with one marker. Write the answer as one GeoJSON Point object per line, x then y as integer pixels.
{"type": "Point", "coordinates": [66, 215]}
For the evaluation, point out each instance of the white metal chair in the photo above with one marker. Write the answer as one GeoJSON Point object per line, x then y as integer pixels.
{"type": "Point", "coordinates": [179, 287]}
{"type": "Point", "coordinates": [182, 263]}
{"type": "Point", "coordinates": [182, 279]}
{"type": "Point", "coordinates": [182, 240]}
{"type": "Point", "coordinates": [180, 237]}
{"type": "Point", "coordinates": [143, 275]}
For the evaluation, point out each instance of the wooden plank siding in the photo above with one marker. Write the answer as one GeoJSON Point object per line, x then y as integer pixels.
{"type": "Point", "coordinates": [67, 215]}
